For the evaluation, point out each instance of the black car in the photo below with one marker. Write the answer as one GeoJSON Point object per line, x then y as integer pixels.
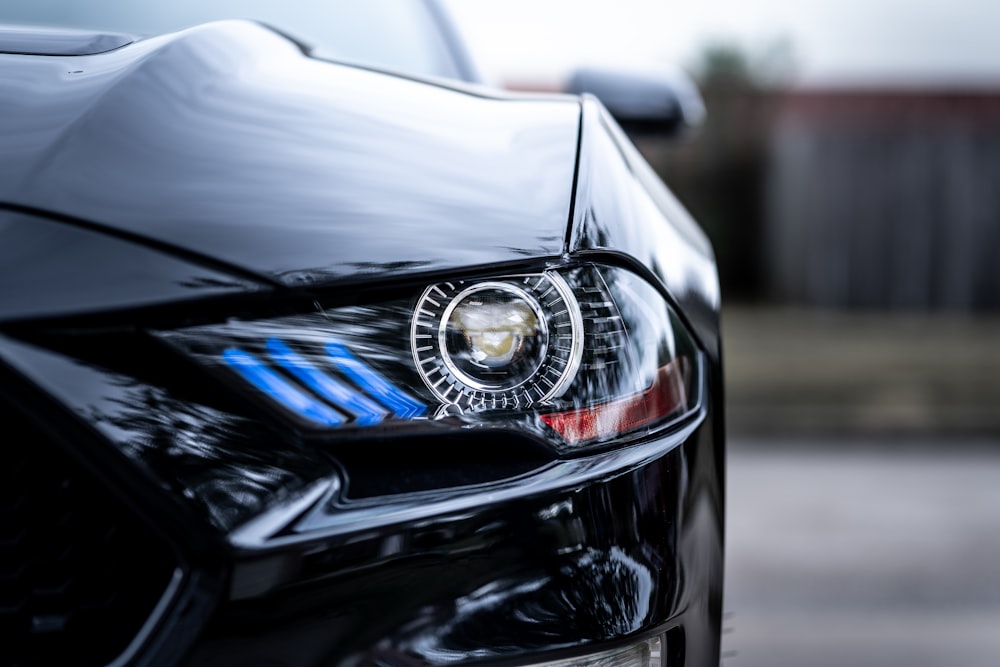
{"type": "Point", "coordinates": [309, 363]}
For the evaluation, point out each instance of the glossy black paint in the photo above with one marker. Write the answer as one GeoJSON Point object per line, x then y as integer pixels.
{"type": "Point", "coordinates": [223, 164]}
{"type": "Point", "coordinates": [623, 207]}
{"type": "Point", "coordinates": [51, 268]}
{"type": "Point", "coordinates": [334, 175]}
{"type": "Point", "coordinates": [623, 543]}
{"type": "Point", "coordinates": [202, 572]}
{"type": "Point", "coordinates": [186, 438]}
{"type": "Point", "coordinates": [226, 140]}
{"type": "Point", "coordinates": [522, 576]}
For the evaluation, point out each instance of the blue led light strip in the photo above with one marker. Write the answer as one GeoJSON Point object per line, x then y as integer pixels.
{"type": "Point", "coordinates": [376, 386]}
{"type": "Point", "coordinates": [279, 389]}
{"type": "Point", "coordinates": [367, 411]}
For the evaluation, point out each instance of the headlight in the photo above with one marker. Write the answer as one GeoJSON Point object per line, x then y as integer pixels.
{"type": "Point", "coordinates": [647, 653]}
{"type": "Point", "coordinates": [575, 356]}
{"type": "Point", "coordinates": [503, 343]}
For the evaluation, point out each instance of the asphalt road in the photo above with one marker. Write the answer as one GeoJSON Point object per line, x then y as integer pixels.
{"type": "Point", "coordinates": [863, 553]}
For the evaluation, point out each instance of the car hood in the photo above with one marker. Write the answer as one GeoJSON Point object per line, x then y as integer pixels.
{"type": "Point", "coordinates": [228, 142]}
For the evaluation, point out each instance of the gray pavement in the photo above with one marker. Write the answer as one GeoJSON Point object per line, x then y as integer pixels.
{"type": "Point", "coordinates": [863, 553]}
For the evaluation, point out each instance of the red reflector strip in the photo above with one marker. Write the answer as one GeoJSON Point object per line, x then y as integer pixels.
{"type": "Point", "coordinates": [667, 394]}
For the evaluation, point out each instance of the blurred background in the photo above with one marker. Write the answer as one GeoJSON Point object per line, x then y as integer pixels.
{"type": "Point", "coordinates": [848, 174]}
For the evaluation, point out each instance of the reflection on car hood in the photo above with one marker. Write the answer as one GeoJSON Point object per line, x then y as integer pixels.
{"type": "Point", "coordinates": [227, 141]}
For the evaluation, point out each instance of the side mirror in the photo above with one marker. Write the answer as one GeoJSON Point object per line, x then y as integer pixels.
{"type": "Point", "coordinates": [662, 102]}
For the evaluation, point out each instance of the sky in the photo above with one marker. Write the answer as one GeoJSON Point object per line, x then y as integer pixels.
{"type": "Point", "coordinates": [850, 41]}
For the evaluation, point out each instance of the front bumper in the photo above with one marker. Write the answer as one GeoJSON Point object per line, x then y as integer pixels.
{"type": "Point", "coordinates": [571, 558]}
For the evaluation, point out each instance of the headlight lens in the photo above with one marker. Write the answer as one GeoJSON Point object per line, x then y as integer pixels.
{"type": "Point", "coordinates": [512, 342]}
{"type": "Point", "coordinates": [576, 356]}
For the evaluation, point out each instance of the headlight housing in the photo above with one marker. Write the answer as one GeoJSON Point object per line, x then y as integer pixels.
{"type": "Point", "coordinates": [577, 356]}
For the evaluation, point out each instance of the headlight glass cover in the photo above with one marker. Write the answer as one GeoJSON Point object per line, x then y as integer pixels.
{"type": "Point", "coordinates": [577, 357]}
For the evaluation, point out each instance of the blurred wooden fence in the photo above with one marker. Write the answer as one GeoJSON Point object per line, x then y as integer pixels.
{"type": "Point", "coordinates": [885, 200]}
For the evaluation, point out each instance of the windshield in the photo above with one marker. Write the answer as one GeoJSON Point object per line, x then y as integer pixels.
{"type": "Point", "coordinates": [401, 35]}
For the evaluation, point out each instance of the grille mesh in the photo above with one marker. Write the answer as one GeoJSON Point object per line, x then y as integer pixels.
{"type": "Point", "coordinates": [79, 572]}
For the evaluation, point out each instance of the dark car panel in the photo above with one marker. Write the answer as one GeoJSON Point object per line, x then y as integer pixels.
{"type": "Point", "coordinates": [52, 268]}
{"type": "Point", "coordinates": [295, 169]}
{"type": "Point", "coordinates": [120, 554]}
{"type": "Point", "coordinates": [622, 206]}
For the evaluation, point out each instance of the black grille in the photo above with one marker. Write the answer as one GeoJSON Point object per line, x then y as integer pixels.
{"type": "Point", "coordinates": [80, 573]}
